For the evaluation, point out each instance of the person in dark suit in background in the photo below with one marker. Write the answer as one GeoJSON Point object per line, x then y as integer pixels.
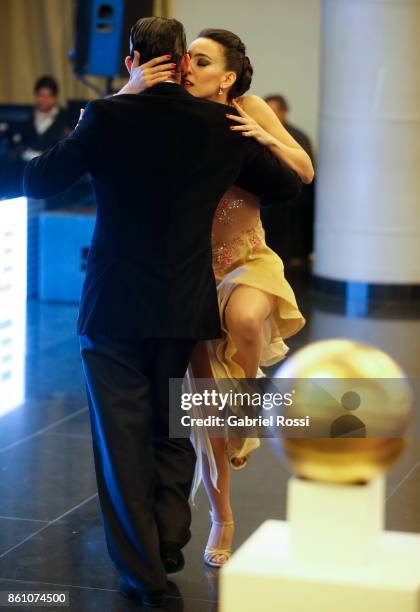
{"type": "Point", "coordinates": [289, 229]}
{"type": "Point", "coordinates": [49, 122]}
{"type": "Point", "coordinates": [24, 138]}
{"type": "Point", "coordinates": [160, 162]}
{"type": "Point", "coordinates": [281, 107]}
{"type": "Point", "coordinates": [48, 125]}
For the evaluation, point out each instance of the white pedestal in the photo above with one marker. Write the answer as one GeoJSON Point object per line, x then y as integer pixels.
{"type": "Point", "coordinates": [332, 555]}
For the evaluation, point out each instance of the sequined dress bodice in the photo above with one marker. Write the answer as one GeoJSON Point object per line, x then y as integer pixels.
{"type": "Point", "coordinates": [236, 221]}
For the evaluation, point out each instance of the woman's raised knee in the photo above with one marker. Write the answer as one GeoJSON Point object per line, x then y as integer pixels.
{"type": "Point", "coordinates": [247, 325]}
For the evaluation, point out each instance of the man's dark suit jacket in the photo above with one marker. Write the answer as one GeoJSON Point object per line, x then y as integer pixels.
{"type": "Point", "coordinates": [160, 161]}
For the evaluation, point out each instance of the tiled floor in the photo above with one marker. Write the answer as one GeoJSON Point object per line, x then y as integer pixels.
{"type": "Point", "coordinates": [51, 535]}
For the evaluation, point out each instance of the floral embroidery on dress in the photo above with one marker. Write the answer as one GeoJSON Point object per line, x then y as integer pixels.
{"type": "Point", "coordinates": [255, 239]}
{"type": "Point", "coordinates": [225, 253]}
{"type": "Point", "coordinates": [223, 209]}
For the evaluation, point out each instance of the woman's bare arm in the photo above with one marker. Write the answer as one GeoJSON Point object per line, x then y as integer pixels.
{"type": "Point", "coordinates": [276, 137]}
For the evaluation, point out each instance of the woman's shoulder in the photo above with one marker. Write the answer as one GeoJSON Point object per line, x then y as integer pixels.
{"type": "Point", "coordinates": [251, 102]}
{"type": "Point", "coordinates": [256, 107]}
{"type": "Point", "coordinates": [259, 110]}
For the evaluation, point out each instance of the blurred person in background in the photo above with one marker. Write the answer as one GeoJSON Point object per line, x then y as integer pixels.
{"type": "Point", "coordinates": [25, 137]}
{"type": "Point", "coordinates": [48, 125]}
{"type": "Point", "coordinates": [49, 122]}
{"type": "Point", "coordinates": [289, 228]}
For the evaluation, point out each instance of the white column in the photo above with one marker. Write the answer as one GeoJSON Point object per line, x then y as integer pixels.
{"type": "Point", "coordinates": [368, 192]}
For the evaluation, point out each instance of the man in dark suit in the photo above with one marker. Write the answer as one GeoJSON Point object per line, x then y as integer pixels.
{"type": "Point", "coordinates": [160, 161]}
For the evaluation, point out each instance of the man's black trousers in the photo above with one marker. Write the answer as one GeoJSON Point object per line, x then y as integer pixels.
{"type": "Point", "coordinates": [143, 476]}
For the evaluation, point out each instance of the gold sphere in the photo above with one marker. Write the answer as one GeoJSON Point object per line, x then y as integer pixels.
{"type": "Point", "coordinates": [359, 402]}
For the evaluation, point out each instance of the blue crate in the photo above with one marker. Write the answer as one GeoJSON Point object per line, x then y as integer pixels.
{"type": "Point", "coordinates": [64, 240]}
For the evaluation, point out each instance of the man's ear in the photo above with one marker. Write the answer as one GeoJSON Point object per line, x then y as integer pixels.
{"type": "Point", "coordinates": [185, 63]}
{"type": "Point", "coordinates": [128, 63]}
{"type": "Point", "coordinates": [131, 64]}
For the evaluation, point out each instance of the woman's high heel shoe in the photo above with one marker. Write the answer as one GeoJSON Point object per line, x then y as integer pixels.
{"type": "Point", "coordinates": [212, 552]}
{"type": "Point", "coordinates": [240, 450]}
{"type": "Point", "coordinates": [238, 463]}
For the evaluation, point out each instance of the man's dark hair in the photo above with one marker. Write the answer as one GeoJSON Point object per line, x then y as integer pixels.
{"type": "Point", "coordinates": [281, 101]}
{"type": "Point", "coordinates": [154, 36]}
{"type": "Point", "coordinates": [46, 82]}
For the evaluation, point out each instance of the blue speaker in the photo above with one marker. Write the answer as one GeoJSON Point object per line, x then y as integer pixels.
{"type": "Point", "coordinates": [98, 37]}
{"type": "Point", "coordinates": [102, 34]}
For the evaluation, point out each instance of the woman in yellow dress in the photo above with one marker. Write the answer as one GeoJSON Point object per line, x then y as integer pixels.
{"type": "Point", "coordinates": [257, 305]}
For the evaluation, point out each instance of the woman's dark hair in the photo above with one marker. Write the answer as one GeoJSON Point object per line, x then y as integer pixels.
{"type": "Point", "coordinates": [154, 36]}
{"type": "Point", "coordinates": [235, 59]}
{"type": "Point", "coordinates": [46, 82]}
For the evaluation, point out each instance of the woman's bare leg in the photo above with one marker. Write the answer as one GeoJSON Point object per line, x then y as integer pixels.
{"type": "Point", "coordinates": [245, 313]}
{"type": "Point", "coordinates": [219, 500]}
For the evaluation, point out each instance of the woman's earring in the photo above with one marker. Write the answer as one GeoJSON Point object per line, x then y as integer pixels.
{"type": "Point", "coordinates": [220, 92]}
